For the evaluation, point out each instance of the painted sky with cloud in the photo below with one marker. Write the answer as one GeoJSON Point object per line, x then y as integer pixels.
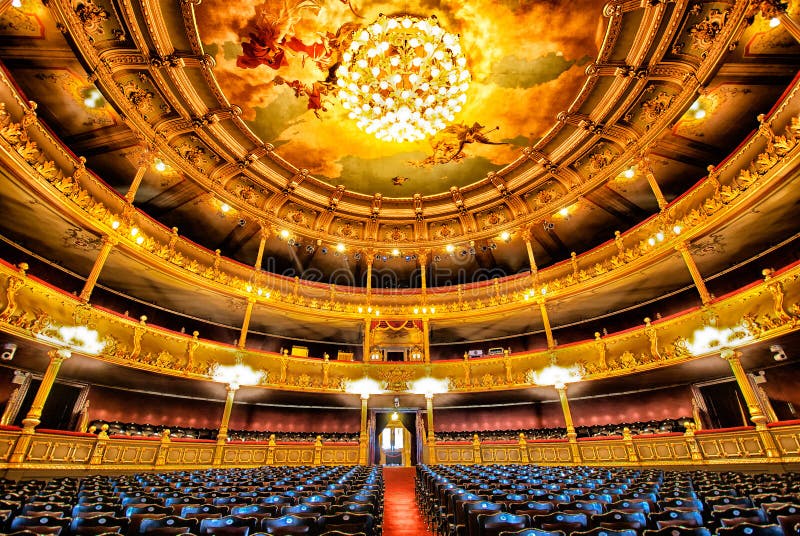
{"type": "Point", "coordinates": [527, 60]}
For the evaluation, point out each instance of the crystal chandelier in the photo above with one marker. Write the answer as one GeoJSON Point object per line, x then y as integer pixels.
{"type": "Point", "coordinates": [403, 78]}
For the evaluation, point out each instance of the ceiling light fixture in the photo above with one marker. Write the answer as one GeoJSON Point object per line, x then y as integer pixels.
{"type": "Point", "coordinates": [403, 78]}
{"type": "Point", "coordinates": [16, 3]}
{"type": "Point", "coordinates": [774, 21]}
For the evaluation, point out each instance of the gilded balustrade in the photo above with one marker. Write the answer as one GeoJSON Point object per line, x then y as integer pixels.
{"type": "Point", "coordinates": [734, 447]}
{"type": "Point", "coordinates": [61, 451]}
{"type": "Point", "coordinates": [761, 311]}
{"type": "Point", "coordinates": [760, 162]}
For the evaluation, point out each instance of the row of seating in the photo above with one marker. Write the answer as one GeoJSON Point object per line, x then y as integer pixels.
{"type": "Point", "coordinates": [558, 501]}
{"type": "Point", "coordinates": [150, 430]}
{"type": "Point", "coordinates": [636, 428]}
{"type": "Point", "coordinates": [273, 500]}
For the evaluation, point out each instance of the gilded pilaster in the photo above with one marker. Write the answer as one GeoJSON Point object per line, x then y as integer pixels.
{"type": "Point", "coordinates": [222, 435]}
{"type": "Point", "coordinates": [548, 331]}
{"type": "Point", "coordinates": [526, 236]}
{"type": "Point", "coordinates": [248, 313]}
{"type": "Point", "coordinates": [31, 420]}
{"type": "Point", "coordinates": [572, 437]}
{"type": "Point", "coordinates": [97, 267]}
{"type": "Point", "coordinates": [476, 449]}
{"type": "Point", "coordinates": [426, 339]}
{"type": "Point", "coordinates": [751, 399]}
{"type": "Point", "coordinates": [523, 449]}
{"type": "Point", "coordinates": [263, 236]}
{"type": "Point", "coordinates": [683, 248]}
{"type": "Point", "coordinates": [362, 436]}
{"type": "Point", "coordinates": [644, 166]}
{"type": "Point", "coordinates": [137, 181]}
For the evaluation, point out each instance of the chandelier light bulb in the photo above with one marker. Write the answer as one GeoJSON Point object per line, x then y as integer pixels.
{"type": "Point", "coordinates": [403, 79]}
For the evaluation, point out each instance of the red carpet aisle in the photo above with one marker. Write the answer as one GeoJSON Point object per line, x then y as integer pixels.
{"type": "Point", "coordinates": [400, 514]}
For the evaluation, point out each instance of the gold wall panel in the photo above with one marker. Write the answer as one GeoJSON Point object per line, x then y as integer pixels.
{"type": "Point", "coordinates": [603, 452]}
{"type": "Point", "coordinates": [736, 446]}
{"type": "Point", "coordinates": [60, 450]}
{"type": "Point", "coordinates": [7, 442]}
{"type": "Point", "coordinates": [340, 456]}
{"type": "Point", "coordinates": [294, 455]}
{"type": "Point", "coordinates": [559, 453]}
{"type": "Point", "coordinates": [501, 454]}
{"type": "Point", "coordinates": [191, 455]}
{"type": "Point", "coordinates": [662, 450]}
{"type": "Point", "coordinates": [460, 454]}
{"type": "Point", "coordinates": [123, 452]}
{"type": "Point", "coordinates": [242, 455]}
{"type": "Point", "coordinates": [788, 441]}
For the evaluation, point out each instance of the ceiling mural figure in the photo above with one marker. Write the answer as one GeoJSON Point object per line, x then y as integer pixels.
{"type": "Point", "coordinates": [448, 145]}
{"type": "Point", "coordinates": [288, 65]}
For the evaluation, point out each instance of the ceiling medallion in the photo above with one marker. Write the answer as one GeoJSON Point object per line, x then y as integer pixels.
{"type": "Point", "coordinates": [403, 78]}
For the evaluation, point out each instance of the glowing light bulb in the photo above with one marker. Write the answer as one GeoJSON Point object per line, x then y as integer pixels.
{"type": "Point", "coordinates": [449, 248]}
{"type": "Point", "coordinates": [225, 207]}
{"type": "Point", "coordinates": [773, 22]}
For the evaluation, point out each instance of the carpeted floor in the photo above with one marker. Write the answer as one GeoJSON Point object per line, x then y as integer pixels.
{"type": "Point", "coordinates": [400, 514]}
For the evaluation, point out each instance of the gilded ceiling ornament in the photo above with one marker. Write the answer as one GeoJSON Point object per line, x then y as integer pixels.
{"type": "Point", "coordinates": [654, 108]}
{"type": "Point", "coordinates": [705, 32]}
{"type": "Point", "coordinates": [599, 160]}
{"type": "Point", "coordinates": [91, 15]}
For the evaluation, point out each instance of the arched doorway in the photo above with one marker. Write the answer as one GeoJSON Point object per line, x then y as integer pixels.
{"type": "Point", "coordinates": [395, 436]}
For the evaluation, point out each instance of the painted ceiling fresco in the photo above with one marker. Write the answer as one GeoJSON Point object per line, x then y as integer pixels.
{"type": "Point", "coordinates": [277, 61]}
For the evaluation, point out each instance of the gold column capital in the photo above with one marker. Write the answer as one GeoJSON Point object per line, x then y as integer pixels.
{"type": "Point", "coordinates": [59, 355]}
{"type": "Point", "coordinates": [731, 355]}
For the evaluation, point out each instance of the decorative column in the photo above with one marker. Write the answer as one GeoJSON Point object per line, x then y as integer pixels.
{"type": "Point", "coordinates": [526, 236]}
{"type": "Point", "coordinates": [548, 332]}
{"type": "Point", "coordinates": [423, 268]}
{"type": "Point", "coordinates": [57, 358]}
{"type": "Point", "coordinates": [222, 435]}
{"type": "Point", "coordinates": [362, 436]}
{"type": "Point", "coordinates": [264, 233]}
{"type": "Point", "coordinates": [644, 165]}
{"type": "Point", "coordinates": [246, 322]}
{"type": "Point", "coordinates": [426, 339]}
{"type": "Point", "coordinates": [137, 181]}
{"type": "Point", "coordinates": [99, 262]}
{"type": "Point", "coordinates": [32, 419]}
{"type": "Point", "coordinates": [370, 260]}
{"type": "Point", "coordinates": [431, 434]}
{"type": "Point", "coordinates": [683, 248]}
{"type": "Point", "coordinates": [572, 437]}
{"type": "Point", "coordinates": [367, 322]}
{"type": "Point", "coordinates": [757, 415]}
